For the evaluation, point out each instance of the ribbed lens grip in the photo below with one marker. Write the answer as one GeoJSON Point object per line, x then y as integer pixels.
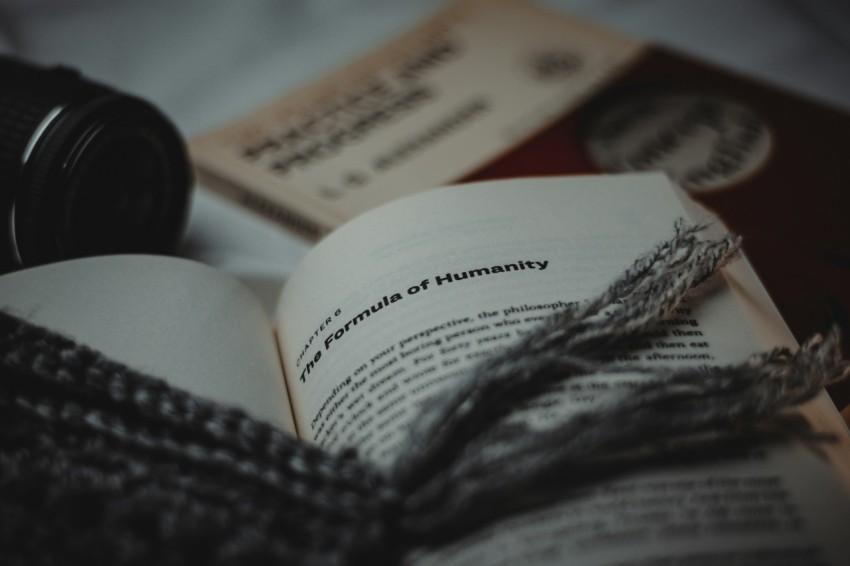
{"type": "Point", "coordinates": [20, 115]}
{"type": "Point", "coordinates": [27, 95]}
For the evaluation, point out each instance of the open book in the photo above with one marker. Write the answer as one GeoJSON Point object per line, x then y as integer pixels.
{"type": "Point", "coordinates": [402, 300]}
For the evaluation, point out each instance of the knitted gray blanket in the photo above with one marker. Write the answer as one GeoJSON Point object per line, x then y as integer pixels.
{"type": "Point", "coordinates": [100, 464]}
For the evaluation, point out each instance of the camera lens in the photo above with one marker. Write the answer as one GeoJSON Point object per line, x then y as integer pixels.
{"type": "Point", "coordinates": [84, 170]}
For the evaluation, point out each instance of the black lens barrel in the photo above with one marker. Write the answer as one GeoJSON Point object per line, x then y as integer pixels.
{"type": "Point", "coordinates": [84, 170]}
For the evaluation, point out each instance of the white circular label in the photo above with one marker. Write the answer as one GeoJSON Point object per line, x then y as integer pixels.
{"type": "Point", "coordinates": [701, 142]}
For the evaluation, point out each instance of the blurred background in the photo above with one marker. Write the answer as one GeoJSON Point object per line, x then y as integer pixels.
{"type": "Point", "coordinates": [205, 62]}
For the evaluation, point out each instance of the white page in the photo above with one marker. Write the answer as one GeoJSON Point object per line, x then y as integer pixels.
{"type": "Point", "coordinates": [360, 385]}
{"type": "Point", "coordinates": [175, 319]}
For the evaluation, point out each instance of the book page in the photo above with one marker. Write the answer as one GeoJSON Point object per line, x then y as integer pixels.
{"type": "Point", "coordinates": [178, 320]}
{"type": "Point", "coordinates": [403, 300]}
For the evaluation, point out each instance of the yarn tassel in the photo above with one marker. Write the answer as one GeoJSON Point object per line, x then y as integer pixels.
{"type": "Point", "coordinates": [457, 475]}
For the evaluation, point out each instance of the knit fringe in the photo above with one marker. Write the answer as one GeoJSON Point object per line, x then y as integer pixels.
{"type": "Point", "coordinates": [453, 477]}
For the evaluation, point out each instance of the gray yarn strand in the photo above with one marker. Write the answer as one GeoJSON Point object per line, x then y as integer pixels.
{"type": "Point", "coordinates": [685, 407]}
{"type": "Point", "coordinates": [648, 290]}
{"type": "Point", "coordinates": [454, 478]}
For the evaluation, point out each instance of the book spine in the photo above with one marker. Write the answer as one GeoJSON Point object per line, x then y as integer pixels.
{"type": "Point", "coordinates": [278, 213]}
